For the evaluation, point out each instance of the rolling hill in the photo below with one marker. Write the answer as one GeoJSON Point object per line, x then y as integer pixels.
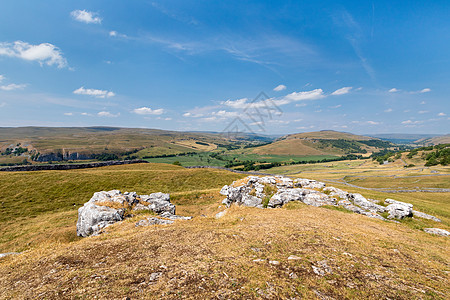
{"type": "Point", "coordinates": [435, 140]}
{"type": "Point", "coordinates": [56, 143]}
{"type": "Point", "coordinates": [326, 142]}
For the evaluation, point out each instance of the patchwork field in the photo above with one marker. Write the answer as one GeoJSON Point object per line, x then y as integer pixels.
{"type": "Point", "coordinates": [248, 253]}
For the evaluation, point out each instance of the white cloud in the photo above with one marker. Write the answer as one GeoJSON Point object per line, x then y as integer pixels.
{"type": "Point", "coordinates": [167, 119]}
{"type": "Point", "coordinates": [342, 91]}
{"type": "Point", "coordinates": [422, 103]}
{"type": "Point", "coordinates": [148, 111]}
{"type": "Point", "coordinates": [388, 110]}
{"type": "Point", "coordinates": [113, 33]}
{"type": "Point", "coordinates": [188, 114]}
{"type": "Point", "coordinates": [441, 114]}
{"type": "Point", "coordinates": [279, 88]}
{"type": "Point", "coordinates": [226, 114]}
{"type": "Point", "coordinates": [423, 111]}
{"type": "Point", "coordinates": [409, 122]}
{"type": "Point", "coordinates": [68, 114]}
{"type": "Point", "coordinates": [393, 90]}
{"type": "Point", "coordinates": [107, 114]}
{"type": "Point", "coordinates": [309, 95]}
{"type": "Point", "coordinates": [2, 78]}
{"type": "Point", "coordinates": [301, 104]}
{"type": "Point", "coordinates": [86, 16]}
{"type": "Point", "coordinates": [336, 106]}
{"type": "Point", "coordinates": [3, 104]}
{"type": "Point", "coordinates": [426, 90]}
{"type": "Point", "coordinates": [93, 92]}
{"type": "Point", "coordinates": [12, 86]}
{"type": "Point", "coordinates": [373, 123]}
{"type": "Point", "coordinates": [44, 53]}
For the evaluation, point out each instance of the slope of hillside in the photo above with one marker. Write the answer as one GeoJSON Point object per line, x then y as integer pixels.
{"type": "Point", "coordinates": [325, 142]}
{"type": "Point", "coordinates": [82, 142]}
{"type": "Point", "coordinates": [436, 140]}
{"type": "Point", "coordinates": [297, 251]}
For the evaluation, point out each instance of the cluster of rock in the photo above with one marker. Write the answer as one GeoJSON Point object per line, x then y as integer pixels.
{"type": "Point", "coordinates": [107, 208]}
{"type": "Point", "coordinates": [276, 191]}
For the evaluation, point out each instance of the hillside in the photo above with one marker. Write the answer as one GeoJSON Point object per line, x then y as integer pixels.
{"type": "Point", "coordinates": [57, 143]}
{"type": "Point", "coordinates": [436, 140]}
{"type": "Point", "coordinates": [249, 253]}
{"type": "Point", "coordinates": [325, 142]}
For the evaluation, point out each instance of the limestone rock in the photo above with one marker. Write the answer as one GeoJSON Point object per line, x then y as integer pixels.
{"type": "Point", "coordinates": [425, 216]}
{"type": "Point", "coordinates": [168, 215]}
{"type": "Point", "coordinates": [399, 211]}
{"type": "Point", "coordinates": [92, 218]}
{"type": "Point", "coordinates": [437, 231]}
{"type": "Point", "coordinates": [362, 202]}
{"type": "Point", "coordinates": [153, 221]}
{"type": "Point", "coordinates": [108, 207]}
{"type": "Point", "coordinates": [392, 201]}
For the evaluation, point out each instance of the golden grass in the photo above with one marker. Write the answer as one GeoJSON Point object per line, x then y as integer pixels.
{"type": "Point", "coordinates": [208, 258]}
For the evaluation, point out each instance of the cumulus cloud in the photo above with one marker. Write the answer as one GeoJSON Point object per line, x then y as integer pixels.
{"type": "Point", "coordinates": [373, 123]}
{"type": "Point", "coordinates": [12, 86]}
{"type": "Point", "coordinates": [44, 53]}
{"type": "Point", "coordinates": [188, 114]}
{"type": "Point", "coordinates": [426, 90]}
{"type": "Point", "coordinates": [410, 122]}
{"type": "Point", "coordinates": [148, 111]}
{"type": "Point", "coordinates": [342, 91]}
{"type": "Point", "coordinates": [107, 114]}
{"type": "Point", "coordinates": [68, 114]}
{"type": "Point", "coordinates": [388, 110]}
{"type": "Point", "coordinates": [94, 93]}
{"type": "Point", "coordinates": [393, 90]}
{"type": "Point", "coordinates": [441, 114]}
{"type": "Point", "coordinates": [86, 16]}
{"type": "Point", "coordinates": [2, 78]}
{"type": "Point", "coordinates": [423, 111]}
{"type": "Point", "coordinates": [279, 88]}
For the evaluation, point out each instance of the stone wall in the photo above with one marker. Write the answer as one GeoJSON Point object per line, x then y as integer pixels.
{"type": "Point", "coordinates": [71, 166]}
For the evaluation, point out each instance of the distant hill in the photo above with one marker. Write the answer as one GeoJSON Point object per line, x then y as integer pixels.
{"type": "Point", "coordinates": [326, 142]}
{"type": "Point", "coordinates": [57, 143]}
{"type": "Point", "coordinates": [402, 138]}
{"type": "Point", "coordinates": [435, 140]}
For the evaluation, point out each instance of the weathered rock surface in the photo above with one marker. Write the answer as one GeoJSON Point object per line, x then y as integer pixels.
{"type": "Point", "coordinates": [276, 191]}
{"type": "Point", "coordinates": [399, 211]}
{"type": "Point", "coordinates": [153, 221]}
{"type": "Point", "coordinates": [107, 208]}
{"type": "Point", "coordinates": [8, 254]}
{"type": "Point", "coordinates": [437, 231]}
{"type": "Point", "coordinates": [425, 216]}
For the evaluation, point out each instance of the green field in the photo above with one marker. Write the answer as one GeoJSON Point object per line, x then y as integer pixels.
{"type": "Point", "coordinates": [205, 159]}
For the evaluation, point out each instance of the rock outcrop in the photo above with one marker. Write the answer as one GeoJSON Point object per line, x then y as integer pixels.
{"type": "Point", "coordinates": [107, 208]}
{"type": "Point", "coordinates": [437, 231]}
{"type": "Point", "coordinates": [276, 191]}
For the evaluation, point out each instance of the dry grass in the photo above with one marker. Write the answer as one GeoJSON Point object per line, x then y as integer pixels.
{"type": "Point", "coordinates": [208, 258]}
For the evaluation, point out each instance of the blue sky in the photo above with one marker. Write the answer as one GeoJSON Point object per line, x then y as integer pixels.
{"type": "Point", "coordinates": [357, 66]}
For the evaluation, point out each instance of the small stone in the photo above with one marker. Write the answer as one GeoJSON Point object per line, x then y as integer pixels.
{"type": "Point", "coordinates": [437, 231]}
{"type": "Point", "coordinates": [274, 262]}
{"type": "Point", "coordinates": [294, 257]}
{"type": "Point", "coordinates": [258, 260]}
{"type": "Point", "coordinates": [221, 214]}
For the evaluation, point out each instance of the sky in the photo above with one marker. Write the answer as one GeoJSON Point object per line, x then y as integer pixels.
{"type": "Point", "coordinates": [267, 67]}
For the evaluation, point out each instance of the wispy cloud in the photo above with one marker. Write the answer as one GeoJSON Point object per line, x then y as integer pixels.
{"type": "Point", "coordinates": [388, 110]}
{"type": "Point", "coordinates": [148, 111]}
{"type": "Point", "coordinates": [336, 106]}
{"type": "Point", "coordinates": [279, 88]}
{"type": "Point", "coordinates": [423, 111]}
{"type": "Point", "coordinates": [411, 122]}
{"type": "Point", "coordinates": [441, 114]}
{"type": "Point", "coordinates": [107, 114]}
{"type": "Point", "coordinates": [12, 86]}
{"type": "Point", "coordinates": [393, 90]}
{"type": "Point", "coordinates": [68, 114]}
{"type": "Point", "coordinates": [342, 91]}
{"type": "Point", "coordinates": [85, 16]}
{"type": "Point", "coordinates": [94, 93]}
{"type": "Point", "coordinates": [44, 53]}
